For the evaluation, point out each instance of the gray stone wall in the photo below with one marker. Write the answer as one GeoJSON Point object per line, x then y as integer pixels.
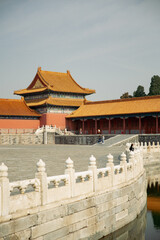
{"type": "Point", "coordinates": [85, 217]}
{"type": "Point", "coordinates": [20, 139]}
{"type": "Point", "coordinates": [26, 139]}
{"type": "Point", "coordinates": [149, 138]}
{"type": "Point", "coordinates": [79, 139]}
{"type": "Point", "coordinates": [50, 138]}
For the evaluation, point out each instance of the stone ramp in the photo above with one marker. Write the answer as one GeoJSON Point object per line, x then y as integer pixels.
{"type": "Point", "coordinates": [119, 140]}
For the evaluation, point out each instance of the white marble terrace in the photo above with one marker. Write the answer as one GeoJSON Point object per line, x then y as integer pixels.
{"type": "Point", "coordinates": [52, 129]}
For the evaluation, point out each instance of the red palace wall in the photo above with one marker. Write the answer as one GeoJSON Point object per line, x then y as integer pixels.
{"type": "Point", "coordinates": [19, 123]}
{"type": "Point", "coordinates": [53, 119]}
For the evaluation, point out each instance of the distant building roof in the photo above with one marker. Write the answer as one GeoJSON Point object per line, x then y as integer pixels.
{"type": "Point", "coordinates": [54, 81]}
{"type": "Point", "coordinates": [118, 107]}
{"type": "Point", "coordinates": [15, 107]}
{"type": "Point", "coordinates": [55, 101]}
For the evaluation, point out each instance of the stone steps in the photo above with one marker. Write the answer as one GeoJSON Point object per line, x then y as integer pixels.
{"type": "Point", "coordinates": [120, 140]}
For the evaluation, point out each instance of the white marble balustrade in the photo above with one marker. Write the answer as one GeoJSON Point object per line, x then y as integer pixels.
{"type": "Point", "coordinates": [144, 147]}
{"type": "Point", "coordinates": [43, 190]}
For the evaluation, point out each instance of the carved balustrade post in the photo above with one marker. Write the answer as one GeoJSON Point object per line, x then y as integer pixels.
{"type": "Point", "coordinates": [4, 190]}
{"type": "Point", "coordinates": [93, 167]}
{"type": "Point", "coordinates": [42, 176]}
{"type": "Point", "coordinates": [157, 146]}
{"type": "Point", "coordinates": [131, 160]}
{"type": "Point", "coordinates": [141, 159]}
{"type": "Point", "coordinates": [45, 134]}
{"type": "Point", "coordinates": [141, 146]}
{"type": "Point", "coordinates": [71, 172]}
{"type": "Point", "coordinates": [145, 147]}
{"type": "Point", "coordinates": [127, 149]}
{"type": "Point", "coordinates": [138, 157]}
{"type": "Point", "coordinates": [140, 154]}
{"type": "Point", "coordinates": [131, 157]}
{"type": "Point", "coordinates": [153, 146]}
{"type": "Point", "coordinates": [123, 163]}
{"type": "Point", "coordinates": [111, 165]}
{"type": "Point", "coordinates": [149, 147]}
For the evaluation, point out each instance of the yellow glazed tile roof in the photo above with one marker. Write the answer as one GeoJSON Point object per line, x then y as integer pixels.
{"type": "Point", "coordinates": [56, 102]}
{"type": "Point", "coordinates": [25, 91]}
{"type": "Point", "coordinates": [55, 81]}
{"type": "Point", "coordinates": [118, 107]}
{"type": "Point", "coordinates": [15, 107]}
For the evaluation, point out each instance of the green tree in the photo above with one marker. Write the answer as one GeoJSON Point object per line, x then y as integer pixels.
{"type": "Point", "coordinates": [139, 92]}
{"type": "Point", "coordinates": [154, 86]}
{"type": "Point", "coordinates": [125, 95]}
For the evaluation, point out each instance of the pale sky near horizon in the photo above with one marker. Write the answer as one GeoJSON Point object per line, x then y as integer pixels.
{"type": "Point", "coordinates": [111, 46]}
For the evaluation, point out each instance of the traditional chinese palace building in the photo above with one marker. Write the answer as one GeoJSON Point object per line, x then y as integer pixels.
{"type": "Point", "coordinates": [54, 95]}
{"type": "Point", "coordinates": [130, 116]}
{"type": "Point", "coordinates": [54, 98]}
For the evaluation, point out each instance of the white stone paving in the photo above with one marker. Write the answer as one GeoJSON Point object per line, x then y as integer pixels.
{"type": "Point", "coordinates": [21, 160]}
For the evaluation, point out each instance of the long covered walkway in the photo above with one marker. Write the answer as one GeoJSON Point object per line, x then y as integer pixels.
{"type": "Point", "coordinates": [130, 116]}
{"type": "Point", "coordinates": [117, 125]}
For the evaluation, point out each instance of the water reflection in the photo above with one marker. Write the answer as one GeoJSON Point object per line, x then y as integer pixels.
{"type": "Point", "coordinates": [133, 231]}
{"type": "Point", "coordinates": [145, 227]}
{"type": "Point", "coordinates": [153, 226]}
{"type": "Point", "coordinates": [156, 219]}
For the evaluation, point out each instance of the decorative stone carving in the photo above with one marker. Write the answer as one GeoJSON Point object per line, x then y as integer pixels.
{"type": "Point", "coordinates": [3, 170]}
{"type": "Point", "coordinates": [92, 161]}
{"type": "Point", "coordinates": [40, 166]}
{"type": "Point", "coordinates": [69, 163]}
{"type": "Point", "coordinates": [110, 158]}
{"type": "Point", "coordinates": [123, 157]}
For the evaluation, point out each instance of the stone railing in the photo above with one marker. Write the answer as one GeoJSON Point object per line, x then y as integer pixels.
{"type": "Point", "coordinates": [17, 131]}
{"type": "Point", "coordinates": [152, 180]}
{"type": "Point", "coordinates": [144, 147]}
{"type": "Point", "coordinates": [53, 129]}
{"type": "Point", "coordinates": [42, 190]}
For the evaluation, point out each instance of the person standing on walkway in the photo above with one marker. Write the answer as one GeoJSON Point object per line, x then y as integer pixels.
{"type": "Point", "coordinates": [131, 147]}
{"type": "Point", "coordinates": [102, 139]}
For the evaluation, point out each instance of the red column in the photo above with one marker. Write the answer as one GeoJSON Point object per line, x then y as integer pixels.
{"type": "Point", "coordinates": [124, 125]}
{"type": "Point", "coordinates": [100, 125]}
{"type": "Point", "coordinates": [109, 127]}
{"type": "Point", "coordinates": [156, 124]}
{"type": "Point", "coordinates": [83, 126]}
{"type": "Point", "coordinates": [95, 126]}
{"type": "Point", "coordinates": [129, 125]}
{"type": "Point", "coordinates": [139, 124]}
{"type": "Point", "coordinates": [88, 125]}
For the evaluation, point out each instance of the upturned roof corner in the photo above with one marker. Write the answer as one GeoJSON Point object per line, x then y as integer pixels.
{"type": "Point", "coordinates": [54, 81]}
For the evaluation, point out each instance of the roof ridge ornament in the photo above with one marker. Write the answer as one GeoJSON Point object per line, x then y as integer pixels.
{"type": "Point", "coordinates": [39, 69]}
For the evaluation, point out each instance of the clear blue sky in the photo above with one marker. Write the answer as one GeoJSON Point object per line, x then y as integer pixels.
{"type": "Point", "coordinates": [111, 46]}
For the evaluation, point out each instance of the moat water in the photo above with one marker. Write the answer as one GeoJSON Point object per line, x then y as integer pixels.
{"type": "Point", "coordinates": [153, 226]}
{"type": "Point", "coordinates": [153, 213]}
